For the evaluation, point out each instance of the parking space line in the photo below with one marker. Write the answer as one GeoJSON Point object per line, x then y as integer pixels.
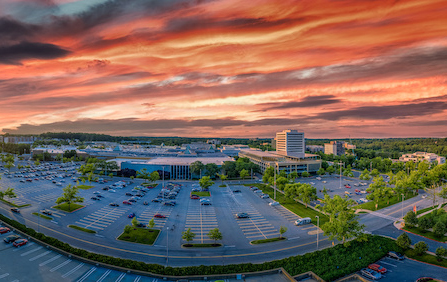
{"type": "Point", "coordinates": [50, 260]}
{"type": "Point", "coordinates": [4, 275]}
{"type": "Point", "coordinates": [104, 275]}
{"type": "Point", "coordinates": [87, 274]}
{"type": "Point", "coordinates": [73, 270]}
{"type": "Point", "coordinates": [120, 277]}
{"type": "Point", "coordinates": [387, 263]}
{"type": "Point", "coordinates": [137, 279]}
{"type": "Point", "coordinates": [31, 251]}
{"type": "Point", "coordinates": [39, 256]}
{"type": "Point", "coordinates": [60, 265]}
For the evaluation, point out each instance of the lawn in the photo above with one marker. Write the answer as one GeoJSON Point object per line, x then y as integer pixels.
{"type": "Point", "coordinates": [42, 216]}
{"type": "Point", "coordinates": [295, 207]}
{"type": "Point", "coordinates": [140, 235]}
{"type": "Point", "coordinates": [85, 187]}
{"type": "Point", "coordinates": [82, 229]}
{"type": "Point", "coordinates": [425, 258]}
{"type": "Point", "coordinates": [202, 194]}
{"type": "Point", "coordinates": [150, 184]}
{"type": "Point", "coordinates": [66, 208]}
{"type": "Point", "coordinates": [428, 234]}
{"type": "Point", "coordinates": [212, 245]}
{"type": "Point", "coordinates": [14, 205]}
{"type": "Point", "coordinates": [269, 240]}
{"type": "Point", "coordinates": [371, 205]}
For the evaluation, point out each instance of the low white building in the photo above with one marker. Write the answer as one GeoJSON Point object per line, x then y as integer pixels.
{"type": "Point", "coordinates": [422, 156]}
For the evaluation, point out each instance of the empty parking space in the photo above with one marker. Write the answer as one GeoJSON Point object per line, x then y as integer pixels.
{"type": "Point", "coordinates": [201, 219]}
{"type": "Point", "coordinates": [153, 209]}
{"type": "Point", "coordinates": [102, 218]}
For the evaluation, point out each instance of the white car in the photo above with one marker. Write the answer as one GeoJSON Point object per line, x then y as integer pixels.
{"type": "Point", "coordinates": [111, 190]}
{"type": "Point", "coordinates": [363, 200]}
{"type": "Point", "coordinates": [204, 200]}
{"type": "Point", "coordinates": [58, 184]}
{"type": "Point", "coordinates": [312, 183]}
{"type": "Point", "coordinates": [274, 204]}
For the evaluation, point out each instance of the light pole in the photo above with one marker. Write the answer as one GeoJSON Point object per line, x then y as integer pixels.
{"type": "Point", "coordinates": [340, 163]}
{"type": "Point", "coordinates": [402, 205]}
{"type": "Point", "coordinates": [167, 246]}
{"type": "Point", "coordinates": [274, 186]}
{"type": "Point", "coordinates": [163, 177]}
{"type": "Point", "coordinates": [38, 219]}
{"type": "Point", "coordinates": [318, 229]}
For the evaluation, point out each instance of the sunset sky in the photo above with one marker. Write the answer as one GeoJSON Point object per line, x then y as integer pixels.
{"type": "Point", "coordinates": [224, 68]}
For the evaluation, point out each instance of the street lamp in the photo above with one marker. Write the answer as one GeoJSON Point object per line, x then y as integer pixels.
{"type": "Point", "coordinates": [167, 246]}
{"type": "Point", "coordinates": [402, 205]}
{"type": "Point", "coordinates": [38, 219]}
{"type": "Point", "coordinates": [274, 186]}
{"type": "Point", "coordinates": [318, 229]}
{"type": "Point", "coordinates": [340, 163]}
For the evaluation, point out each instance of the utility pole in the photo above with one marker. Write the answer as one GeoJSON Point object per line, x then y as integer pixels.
{"type": "Point", "coordinates": [274, 186]}
{"type": "Point", "coordinates": [318, 229]}
{"type": "Point", "coordinates": [402, 205]}
{"type": "Point", "coordinates": [167, 246]}
{"type": "Point", "coordinates": [340, 163]}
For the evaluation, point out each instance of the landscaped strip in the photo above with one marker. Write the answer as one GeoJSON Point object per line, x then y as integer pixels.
{"type": "Point", "coordinates": [269, 240]}
{"type": "Point", "coordinates": [201, 193]}
{"type": "Point", "coordinates": [82, 229]}
{"type": "Point", "coordinates": [14, 205]}
{"type": "Point", "coordinates": [425, 258]}
{"type": "Point", "coordinates": [150, 184]}
{"type": "Point", "coordinates": [42, 215]}
{"type": "Point", "coordinates": [140, 235]}
{"type": "Point", "coordinates": [371, 205]}
{"type": "Point", "coordinates": [295, 207]}
{"type": "Point", "coordinates": [65, 207]}
{"type": "Point", "coordinates": [85, 187]}
{"type": "Point", "coordinates": [202, 245]}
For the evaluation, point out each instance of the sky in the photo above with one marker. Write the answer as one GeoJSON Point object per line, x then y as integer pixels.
{"type": "Point", "coordinates": [224, 68]}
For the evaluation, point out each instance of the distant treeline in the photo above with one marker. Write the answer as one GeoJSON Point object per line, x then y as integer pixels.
{"type": "Point", "coordinates": [84, 136]}
{"type": "Point", "coordinates": [15, 148]}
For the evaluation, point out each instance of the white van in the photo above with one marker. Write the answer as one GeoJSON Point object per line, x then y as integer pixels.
{"type": "Point", "coordinates": [303, 221]}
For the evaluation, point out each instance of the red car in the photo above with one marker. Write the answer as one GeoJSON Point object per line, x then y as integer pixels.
{"type": "Point", "coordinates": [347, 186]}
{"type": "Point", "coordinates": [357, 190]}
{"type": "Point", "coordinates": [20, 242]}
{"type": "Point", "coordinates": [159, 215]}
{"type": "Point", "coordinates": [127, 203]}
{"type": "Point", "coordinates": [377, 268]}
{"type": "Point", "coordinates": [195, 197]}
{"type": "Point", "coordinates": [4, 230]}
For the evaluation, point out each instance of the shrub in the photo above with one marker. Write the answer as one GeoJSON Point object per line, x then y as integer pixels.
{"type": "Point", "coordinates": [441, 253]}
{"type": "Point", "coordinates": [410, 219]}
{"type": "Point", "coordinates": [439, 229]}
{"type": "Point", "coordinates": [420, 248]}
{"type": "Point", "coordinates": [403, 241]}
{"type": "Point", "coordinates": [424, 223]}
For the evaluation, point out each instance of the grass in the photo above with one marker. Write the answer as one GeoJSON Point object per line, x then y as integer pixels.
{"type": "Point", "coordinates": [202, 194]}
{"type": "Point", "coordinates": [371, 205]}
{"type": "Point", "coordinates": [295, 207]}
{"type": "Point", "coordinates": [140, 235]}
{"type": "Point", "coordinates": [85, 187]}
{"type": "Point", "coordinates": [82, 229]}
{"type": "Point", "coordinates": [425, 210]}
{"type": "Point", "coordinates": [14, 205]}
{"type": "Point", "coordinates": [425, 258]}
{"type": "Point", "coordinates": [222, 185]}
{"type": "Point", "coordinates": [42, 216]}
{"type": "Point", "coordinates": [64, 207]}
{"type": "Point", "coordinates": [428, 234]}
{"type": "Point", "coordinates": [269, 240]}
{"type": "Point", "coordinates": [202, 245]}
{"type": "Point", "coordinates": [150, 184]}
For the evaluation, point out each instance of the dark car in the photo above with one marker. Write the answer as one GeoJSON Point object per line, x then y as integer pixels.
{"type": "Point", "coordinates": [4, 230]}
{"type": "Point", "coordinates": [47, 212]}
{"type": "Point", "coordinates": [11, 238]}
{"type": "Point", "coordinates": [129, 194]}
{"type": "Point", "coordinates": [141, 225]}
{"type": "Point", "coordinates": [19, 242]}
{"type": "Point", "coordinates": [15, 210]}
{"type": "Point", "coordinates": [114, 205]}
{"type": "Point", "coordinates": [396, 255]}
{"type": "Point", "coordinates": [95, 198]}
{"type": "Point", "coordinates": [159, 215]}
{"type": "Point", "coordinates": [132, 200]}
{"type": "Point", "coordinates": [156, 200]}
{"type": "Point", "coordinates": [171, 203]}
{"type": "Point", "coordinates": [105, 188]}
{"type": "Point", "coordinates": [205, 204]}
{"type": "Point", "coordinates": [237, 191]}
{"type": "Point", "coordinates": [131, 215]}
{"type": "Point", "coordinates": [242, 215]}
{"type": "Point", "coordinates": [139, 195]}
{"type": "Point", "coordinates": [145, 203]}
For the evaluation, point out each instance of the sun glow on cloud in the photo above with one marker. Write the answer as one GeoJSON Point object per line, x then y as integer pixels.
{"type": "Point", "coordinates": [224, 68]}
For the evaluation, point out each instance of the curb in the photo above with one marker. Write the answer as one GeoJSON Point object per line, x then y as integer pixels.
{"type": "Point", "coordinates": [422, 236]}
{"type": "Point", "coordinates": [427, 263]}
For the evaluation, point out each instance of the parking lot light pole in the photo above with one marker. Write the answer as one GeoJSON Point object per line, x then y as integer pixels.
{"type": "Point", "coordinates": [340, 163]}
{"type": "Point", "coordinates": [167, 246]}
{"type": "Point", "coordinates": [402, 205]}
{"type": "Point", "coordinates": [274, 187]}
{"type": "Point", "coordinates": [318, 228]}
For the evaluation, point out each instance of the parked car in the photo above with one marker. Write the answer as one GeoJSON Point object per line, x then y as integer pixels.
{"type": "Point", "coordinates": [347, 186]}
{"type": "Point", "coordinates": [11, 238]}
{"type": "Point", "coordinates": [47, 212]}
{"type": "Point", "coordinates": [206, 203]}
{"type": "Point", "coordinates": [127, 202]}
{"type": "Point", "coordinates": [114, 205]}
{"type": "Point", "coordinates": [131, 215]}
{"type": "Point", "coordinates": [4, 230]}
{"type": "Point", "coordinates": [112, 190]}
{"type": "Point", "coordinates": [156, 200]}
{"type": "Point", "coordinates": [264, 196]}
{"type": "Point", "coordinates": [145, 203]}
{"type": "Point", "coordinates": [96, 192]}
{"type": "Point", "coordinates": [237, 191]}
{"type": "Point", "coordinates": [371, 274]}
{"type": "Point", "coordinates": [194, 197]}
{"type": "Point", "coordinates": [204, 200]}
{"type": "Point", "coordinates": [377, 268]}
{"type": "Point", "coordinates": [105, 188]}
{"type": "Point", "coordinates": [15, 210]}
{"type": "Point", "coordinates": [170, 203]}
{"type": "Point", "coordinates": [303, 221]}
{"type": "Point", "coordinates": [396, 255]}
{"type": "Point", "coordinates": [242, 215]}
{"type": "Point", "coordinates": [195, 190]}
{"type": "Point", "coordinates": [157, 215]}
{"type": "Point", "coordinates": [19, 242]}
{"type": "Point", "coordinates": [274, 204]}
{"type": "Point", "coordinates": [132, 200]}
{"type": "Point", "coordinates": [129, 194]}
{"type": "Point", "coordinates": [95, 198]}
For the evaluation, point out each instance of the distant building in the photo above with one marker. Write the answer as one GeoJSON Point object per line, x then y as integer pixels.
{"type": "Point", "coordinates": [213, 141]}
{"type": "Point", "coordinates": [18, 139]}
{"type": "Point", "coordinates": [334, 147]}
{"type": "Point", "coordinates": [349, 146]}
{"type": "Point", "coordinates": [314, 148]}
{"type": "Point", "coordinates": [274, 143]}
{"type": "Point", "coordinates": [290, 143]}
{"type": "Point", "coordinates": [422, 156]}
{"type": "Point", "coordinates": [232, 150]}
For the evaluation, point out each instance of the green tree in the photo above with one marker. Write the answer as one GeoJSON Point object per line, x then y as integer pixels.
{"type": "Point", "coordinates": [70, 196]}
{"type": "Point", "coordinates": [9, 165]}
{"type": "Point", "coordinates": [305, 174]}
{"type": "Point", "coordinates": [281, 182]}
{"type": "Point", "coordinates": [374, 173]}
{"type": "Point", "coordinates": [111, 175]}
{"type": "Point", "coordinates": [135, 222]}
{"type": "Point", "coordinates": [424, 223]}
{"type": "Point", "coordinates": [321, 171]}
{"type": "Point", "coordinates": [196, 167]}
{"type": "Point", "coordinates": [348, 171]}
{"type": "Point", "coordinates": [154, 176]}
{"type": "Point", "coordinates": [439, 229]}
{"type": "Point", "coordinates": [9, 192]}
{"type": "Point", "coordinates": [211, 170]}
{"type": "Point", "coordinates": [443, 193]}
{"type": "Point", "coordinates": [441, 253]}
{"type": "Point", "coordinates": [243, 173]}
{"type": "Point", "coordinates": [307, 193]}
{"type": "Point", "coordinates": [420, 248]}
{"type": "Point", "coordinates": [292, 176]}
{"type": "Point", "coordinates": [403, 241]}
{"type": "Point", "coordinates": [188, 235]}
{"type": "Point", "coordinates": [410, 219]}
{"type": "Point", "coordinates": [379, 190]}
{"type": "Point", "coordinates": [330, 170]}
{"type": "Point", "coordinates": [282, 230]}
{"type": "Point", "coordinates": [143, 173]}
{"type": "Point", "coordinates": [205, 182]}
{"type": "Point", "coordinates": [268, 173]}
{"type": "Point", "coordinates": [215, 235]}
{"type": "Point", "coordinates": [223, 177]}
{"type": "Point", "coordinates": [365, 175]}
{"type": "Point", "coordinates": [151, 223]}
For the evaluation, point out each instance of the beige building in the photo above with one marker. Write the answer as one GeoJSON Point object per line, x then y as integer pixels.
{"type": "Point", "coordinates": [422, 156]}
{"type": "Point", "coordinates": [334, 147]}
{"type": "Point", "coordinates": [290, 143]}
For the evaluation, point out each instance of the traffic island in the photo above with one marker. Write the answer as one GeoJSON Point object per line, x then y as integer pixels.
{"type": "Point", "coordinates": [201, 193]}
{"type": "Point", "coordinates": [85, 187]}
{"type": "Point", "coordinates": [86, 230]}
{"type": "Point", "coordinates": [139, 235]}
{"type": "Point", "coordinates": [42, 216]}
{"type": "Point", "coordinates": [213, 245]}
{"type": "Point", "coordinates": [68, 208]}
{"type": "Point", "coordinates": [268, 240]}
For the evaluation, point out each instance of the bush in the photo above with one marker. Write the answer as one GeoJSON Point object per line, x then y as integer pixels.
{"type": "Point", "coordinates": [420, 248]}
{"type": "Point", "coordinates": [424, 223]}
{"type": "Point", "coordinates": [439, 229]}
{"type": "Point", "coordinates": [403, 241]}
{"type": "Point", "coordinates": [410, 219]}
{"type": "Point", "coordinates": [441, 253]}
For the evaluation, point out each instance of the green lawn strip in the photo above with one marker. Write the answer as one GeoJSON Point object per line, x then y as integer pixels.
{"type": "Point", "coordinates": [64, 207]}
{"type": "Point", "coordinates": [428, 234]}
{"type": "Point", "coordinates": [42, 216]}
{"type": "Point", "coordinates": [222, 185]}
{"type": "Point", "coordinates": [14, 205]}
{"type": "Point", "coordinates": [85, 187]}
{"type": "Point", "coordinates": [201, 193]}
{"type": "Point", "coordinates": [150, 184]}
{"type": "Point", "coordinates": [269, 240]}
{"type": "Point", "coordinates": [140, 235]}
{"type": "Point", "coordinates": [371, 205]}
{"type": "Point", "coordinates": [425, 210]}
{"type": "Point", "coordinates": [202, 245]}
{"type": "Point", "coordinates": [82, 229]}
{"type": "Point", "coordinates": [295, 207]}
{"type": "Point", "coordinates": [425, 258]}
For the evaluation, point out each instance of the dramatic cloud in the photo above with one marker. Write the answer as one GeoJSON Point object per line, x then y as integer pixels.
{"type": "Point", "coordinates": [14, 54]}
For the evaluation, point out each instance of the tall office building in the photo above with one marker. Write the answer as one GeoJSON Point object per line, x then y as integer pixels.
{"type": "Point", "coordinates": [335, 148]}
{"type": "Point", "coordinates": [290, 143]}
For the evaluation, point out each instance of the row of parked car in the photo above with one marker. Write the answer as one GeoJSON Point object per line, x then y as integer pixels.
{"type": "Point", "coordinates": [16, 240]}
{"type": "Point", "coordinates": [375, 271]}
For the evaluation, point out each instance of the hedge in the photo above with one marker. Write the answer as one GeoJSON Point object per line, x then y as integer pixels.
{"type": "Point", "coordinates": [329, 263]}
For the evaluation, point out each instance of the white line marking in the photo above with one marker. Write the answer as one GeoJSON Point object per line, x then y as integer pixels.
{"type": "Point", "coordinates": [120, 277]}
{"type": "Point", "coordinates": [388, 263]}
{"type": "Point", "coordinates": [50, 260]}
{"type": "Point", "coordinates": [4, 275]}
{"type": "Point", "coordinates": [137, 279]}
{"type": "Point", "coordinates": [87, 274]}
{"type": "Point", "coordinates": [39, 256]}
{"type": "Point", "coordinates": [104, 275]}
{"type": "Point", "coordinates": [32, 251]}
{"type": "Point", "coordinates": [60, 265]}
{"type": "Point", "coordinates": [73, 270]}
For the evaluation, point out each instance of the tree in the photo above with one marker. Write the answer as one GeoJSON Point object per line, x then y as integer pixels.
{"type": "Point", "coordinates": [135, 222]}
{"type": "Point", "coordinates": [365, 175]}
{"type": "Point", "coordinates": [268, 173]}
{"type": "Point", "coordinates": [211, 170]}
{"type": "Point", "coordinates": [424, 223]}
{"type": "Point", "coordinates": [443, 193]}
{"type": "Point", "coordinates": [330, 170]}
{"type": "Point", "coordinates": [307, 193]}
{"type": "Point", "coordinates": [151, 223]}
{"type": "Point", "coordinates": [91, 177]}
{"type": "Point", "coordinates": [420, 248]}
{"type": "Point", "coordinates": [441, 253]}
{"type": "Point", "coordinates": [410, 219]}
{"type": "Point", "coordinates": [403, 241]}
{"type": "Point", "coordinates": [205, 182]}
{"type": "Point", "coordinates": [243, 173]}
{"type": "Point", "coordinates": [292, 176]}
{"type": "Point", "coordinates": [8, 192]}
{"type": "Point", "coordinates": [9, 165]}
{"type": "Point", "coordinates": [281, 182]}
{"type": "Point", "coordinates": [321, 171]}
{"type": "Point", "coordinates": [348, 171]}
{"type": "Point", "coordinates": [70, 196]}
{"type": "Point", "coordinates": [154, 176]}
{"type": "Point", "coordinates": [188, 235]}
{"type": "Point", "coordinates": [196, 167]}
{"type": "Point", "coordinates": [143, 173]}
{"type": "Point", "coordinates": [282, 230]}
{"type": "Point", "coordinates": [215, 235]}
{"type": "Point", "coordinates": [374, 172]}
{"type": "Point", "coordinates": [111, 175]}
{"type": "Point", "coordinates": [223, 177]}
{"type": "Point", "coordinates": [439, 229]}
{"type": "Point", "coordinates": [305, 174]}
{"type": "Point", "coordinates": [379, 190]}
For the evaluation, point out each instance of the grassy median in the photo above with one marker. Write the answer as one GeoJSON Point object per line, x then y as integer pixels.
{"type": "Point", "coordinates": [269, 240]}
{"type": "Point", "coordinates": [139, 235]}
{"type": "Point", "coordinates": [42, 215]}
{"type": "Point", "coordinates": [68, 208]}
{"type": "Point", "coordinates": [82, 229]}
{"type": "Point", "coordinates": [202, 194]}
{"type": "Point", "coordinates": [85, 187]}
